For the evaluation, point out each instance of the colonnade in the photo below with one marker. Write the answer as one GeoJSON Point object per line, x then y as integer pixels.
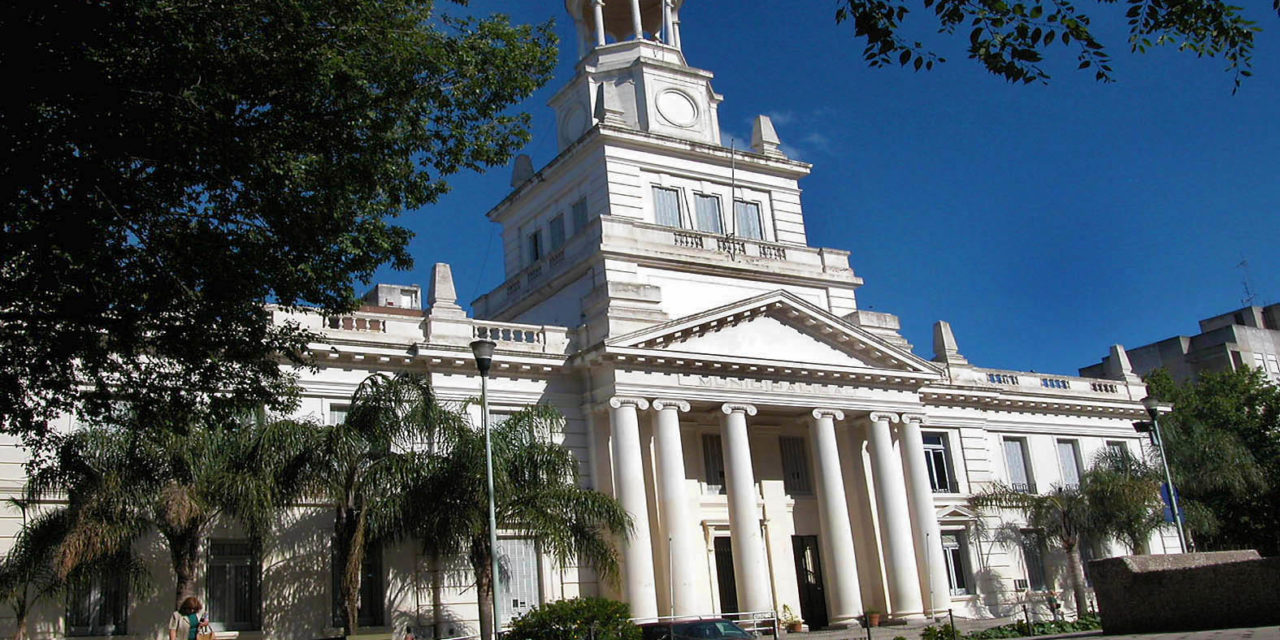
{"type": "Point", "coordinates": [670, 24]}
{"type": "Point", "coordinates": [909, 541]}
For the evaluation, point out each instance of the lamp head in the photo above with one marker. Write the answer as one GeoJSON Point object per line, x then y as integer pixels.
{"type": "Point", "coordinates": [483, 352]}
{"type": "Point", "coordinates": [1155, 407]}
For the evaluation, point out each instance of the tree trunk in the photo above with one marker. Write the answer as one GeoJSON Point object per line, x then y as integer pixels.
{"type": "Point", "coordinates": [20, 624]}
{"type": "Point", "coordinates": [349, 551]}
{"type": "Point", "coordinates": [437, 595]}
{"type": "Point", "coordinates": [1076, 570]}
{"type": "Point", "coordinates": [482, 565]}
{"type": "Point", "coordinates": [184, 550]}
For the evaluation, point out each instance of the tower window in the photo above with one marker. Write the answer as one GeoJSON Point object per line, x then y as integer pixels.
{"type": "Point", "coordinates": [708, 210]}
{"type": "Point", "coordinates": [579, 213]}
{"type": "Point", "coordinates": [666, 206]}
{"type": "Point", "coordinates": [747, 218]}
{"type": "Point", "coordinates": [534, 243]}
{"type": "Point", "coordinates": [556, 226]}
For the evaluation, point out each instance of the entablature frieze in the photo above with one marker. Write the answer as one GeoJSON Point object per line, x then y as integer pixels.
{"type": "Point", "coordinates": [987, 400]}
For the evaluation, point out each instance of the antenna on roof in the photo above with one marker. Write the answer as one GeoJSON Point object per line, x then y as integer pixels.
{"type": "Point", "coordinates": [1249, 295]}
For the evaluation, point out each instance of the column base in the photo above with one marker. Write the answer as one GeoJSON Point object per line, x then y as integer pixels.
{"type": "Point", "coordinates": [909, 616]}
{"type": "Point", "coordinates": [845, 622]}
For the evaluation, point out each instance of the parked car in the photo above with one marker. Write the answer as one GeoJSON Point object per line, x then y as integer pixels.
{"type": "Point", "coordinates": [708, 629]}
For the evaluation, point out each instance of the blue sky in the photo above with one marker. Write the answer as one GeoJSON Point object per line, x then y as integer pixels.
{"type": "Point", "coordinates": [1044, 222]}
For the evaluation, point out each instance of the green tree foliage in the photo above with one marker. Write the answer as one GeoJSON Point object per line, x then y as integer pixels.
{"type": "Point", "coordinates": [538, 496]}
{"type": "Point", "coordinates": [368, 466]}
{"type": "Point", "coordinates": [1223, 442]}
{"type": "Point", "coordinates": [1123, 492]}
{"type": "Point", "coordinates": [172, 165]}
{"type": "Point", "coordinates": [1061, 517]}
{"type": "Point", "coordinates": [122, 483]}
{"type": "Point", "coordinates": [27, 577]}
{"type": "Point", "coordinates": [1011, 37]}
{"type": "Point", "coordinates": [576, 619]}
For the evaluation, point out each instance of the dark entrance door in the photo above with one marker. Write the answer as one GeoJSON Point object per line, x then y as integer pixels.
{"type": "Point", "coordinates": [724, 571]}
{"type": "Point", "coordinates": [813, 602]}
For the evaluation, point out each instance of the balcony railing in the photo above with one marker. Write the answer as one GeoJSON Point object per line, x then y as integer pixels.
{"type": "Point", "coordinates": [1023, 487]}
{"type": "Point", "coordinates": [355, 323]}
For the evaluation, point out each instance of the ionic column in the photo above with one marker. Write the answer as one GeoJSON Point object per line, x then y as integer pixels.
{"type": "Point", "coordinates": [673, 502]}
{"type": "Point", "coordinates": [924, 518]}
{"type": "Point", "coordinates": [749, 568]}
{"type": "Point", "coordinates": [628, 485]}
{"type": "Point", "coordinates": [895, 519]}
{"type": "Point", "coordinates": [597, 7]}
{"type": "Point", "coordinates": [637, 25]}
{"type": "Point", "coordinates": [833, 518]}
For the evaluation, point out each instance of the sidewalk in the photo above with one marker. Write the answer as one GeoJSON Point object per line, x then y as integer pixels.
{"type": "Point", "coordinates": [911, 631]}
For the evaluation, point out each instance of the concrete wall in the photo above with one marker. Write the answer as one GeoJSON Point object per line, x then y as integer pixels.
{"type": "Point", "coordinates": [1186, 592]}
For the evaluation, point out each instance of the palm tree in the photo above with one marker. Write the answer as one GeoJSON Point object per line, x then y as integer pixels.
{"type": "Point", "coordinates": [27, 577]}
{"type": "Point", "coordinates": [1060, 518]}
{"type": "Point", "coordinates": [537, 496]}
{"type": "Point", "coordinates": [368, 464]}
{"type": "Point", "coordinates": [121, 483]}
{"type": "Point", "coordinates": [1124, 494]}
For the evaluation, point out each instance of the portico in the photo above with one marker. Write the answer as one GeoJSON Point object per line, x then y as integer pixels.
{"type": "Point", "coordinates": [748, 449]}
{"type": "Point", "coordinates": [765, 505]}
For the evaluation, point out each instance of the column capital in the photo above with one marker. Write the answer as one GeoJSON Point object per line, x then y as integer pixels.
{"type": "Point", "coordinates": [734, 407]}
{"type": "Point", "coordinates": [667, 403]}
{"type": "Point", "coordinates": [918, 418]}
{"type": "Point", "coordinates": [618, 402]}
{"type": "Point", "coordinates": [834, 414]}
{"type": "Point", "coordinates": [883, 416]}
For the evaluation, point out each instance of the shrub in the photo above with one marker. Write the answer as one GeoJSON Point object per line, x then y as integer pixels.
{"type": "Point", "coordinates": [576, 619]}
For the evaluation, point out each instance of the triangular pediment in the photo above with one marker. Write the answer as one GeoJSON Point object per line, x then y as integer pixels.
{"type": "Point", "coordinates": [956, 513]}
{"type": "Point", "coordinates": [778, 329]}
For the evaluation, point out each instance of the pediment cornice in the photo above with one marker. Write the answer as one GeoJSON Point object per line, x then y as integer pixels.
{"type": "Point", "coordinates": [850, 354]}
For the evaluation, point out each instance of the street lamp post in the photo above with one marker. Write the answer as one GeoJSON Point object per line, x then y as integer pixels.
{"type": "Point", "coordinates": [483, 352]}
{"type": "Point", "coordinates": [1153, 407]}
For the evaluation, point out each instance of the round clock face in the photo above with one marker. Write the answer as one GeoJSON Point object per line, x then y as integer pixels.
{"type": "Point", "coordinates": [677, 108]}
{"type": "Point", "coordinates": [573, 124]}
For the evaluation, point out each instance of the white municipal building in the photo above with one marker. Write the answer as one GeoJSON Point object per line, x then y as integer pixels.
{"type": "Point", "coordinates": [775, 444]}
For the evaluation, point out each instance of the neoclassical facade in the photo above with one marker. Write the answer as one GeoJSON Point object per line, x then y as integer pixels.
{"type": "Point", "coordinates": [774, 444]}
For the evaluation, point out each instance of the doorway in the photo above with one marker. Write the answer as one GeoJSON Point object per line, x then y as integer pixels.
{"type": "Point", "coordinates": [813, 601]}
{"type": "Point", "coordinates": [724, 575]}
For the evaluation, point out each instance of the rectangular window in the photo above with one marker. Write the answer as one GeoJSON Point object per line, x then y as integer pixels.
{"type": "Point", "coordinates": [713, 460]}
{"type": "Point", "coordinates": [533, 242]}
{"type": "Point", "coordinates": [1069, 460]}
{"type": "Point", "coordinates": [1033, 557]}
{"type": "Point", "coordinates": [1015, 457]}
{"type": "Point", "coordinates": [338, 413]}
{"type": "Point", "coordinates": [795, 467]}
{"type": "Point", "coordinates": [938, 460]}
{"type": "Point", "coordinates": [746, 216]}
{"type": "Point", "coordinates": [666, 206]}
{"type": "Point", "coordinates": [233, 584]}
{"type": "Point", "coordinates": [955, 552]}
{"type": "Point", "coordinates": [579, 213]}
{"type": "Point", "coordinates": [556, 226]}
{"type": "Point", "coordinates": [99, 606]}
{"type": "Point", "coordinates": [1118, 447]}
{"type": "Point", "coordinates": [708, 210]}
{"type": "Point", "coordinates": [1273, 363]}
{"type": "Point", "coordinates": [369, 611]}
